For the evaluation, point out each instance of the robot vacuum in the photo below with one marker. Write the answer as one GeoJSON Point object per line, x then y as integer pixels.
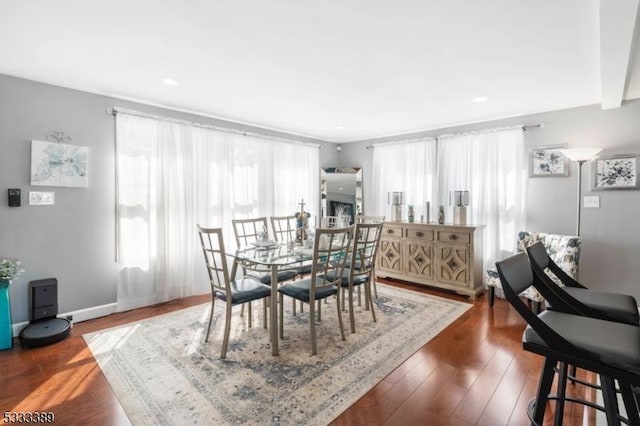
{"type": "Point", "coordinates": [44, 328]}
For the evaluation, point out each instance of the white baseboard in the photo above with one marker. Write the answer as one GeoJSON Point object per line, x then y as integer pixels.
{"type": "Point", "coordinates": [78, 316]}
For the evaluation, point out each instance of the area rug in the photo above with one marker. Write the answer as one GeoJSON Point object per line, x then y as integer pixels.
{"type": "Point", "coordinates": [164, 374]}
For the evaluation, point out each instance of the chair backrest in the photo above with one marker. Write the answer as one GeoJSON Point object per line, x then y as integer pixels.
{"type": "Point", "coordinates": [369, 219]}
{"type": "Point", "coordinates": [335, 221]}
{"type": "Point", "coordinates": [284, 228]}
{"type": "Point", "coordinates": [538, 256]}
{"type": "Point", "coordinates": [564, 250]}
{"type": "Point", "coordinates": [365, 248]}
{"type": "Point", "coordinates": [330, 252]}
{"type": "Point", "coordinates": [248, 231]}
{"type": "Point", "coordinates": [556, 297]}
{"type": "Point", "coordinates": [516, 276]}
{"type": "Point", "coordinates": [215, 259]}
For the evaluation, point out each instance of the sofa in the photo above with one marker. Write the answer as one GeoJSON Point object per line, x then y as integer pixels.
{"type": "Point", "coordinates": [564, 250]}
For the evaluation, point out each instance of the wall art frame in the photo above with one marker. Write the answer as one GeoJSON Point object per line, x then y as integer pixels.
{"type": "Point", "coordinates": [615, 172]}
{"type": "Point", "coordinates": [59, 164]}
{"type": "Point", "coordinates": [548, 161]}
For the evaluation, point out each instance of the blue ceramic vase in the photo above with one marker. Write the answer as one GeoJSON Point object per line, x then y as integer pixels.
{"type": "Point", "coordinates": [6, 331]}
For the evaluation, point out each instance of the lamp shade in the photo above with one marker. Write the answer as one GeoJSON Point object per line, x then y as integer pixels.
{"type": "Point", "coordinates": [395, 198]}
{"type": "Point", "coordinates": [580, 154]}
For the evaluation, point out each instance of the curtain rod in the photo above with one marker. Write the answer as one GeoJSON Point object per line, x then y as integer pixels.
{"type": "Point", "coordinates": [524, 128]}
{"type": "Point", "coordinates": [116, 110]}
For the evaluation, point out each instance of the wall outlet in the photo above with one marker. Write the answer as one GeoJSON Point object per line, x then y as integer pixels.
{"type": "Point", "coordinates": [592, 202]}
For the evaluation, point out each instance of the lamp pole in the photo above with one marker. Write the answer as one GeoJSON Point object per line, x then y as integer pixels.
{"type": "Point", "coordinates": [580, 156]}
{"type": "Point", "coordinates": [580, 163]}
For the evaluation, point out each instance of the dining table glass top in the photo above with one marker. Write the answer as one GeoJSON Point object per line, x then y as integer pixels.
{"type": "Point", "coordinates": [274, 254]}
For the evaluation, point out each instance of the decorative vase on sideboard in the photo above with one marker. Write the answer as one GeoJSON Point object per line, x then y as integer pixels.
{"type": "Point", "coordinates": [6, 331]}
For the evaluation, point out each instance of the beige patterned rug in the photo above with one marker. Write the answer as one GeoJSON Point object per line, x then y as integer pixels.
{"type": "Point", "coordinates": [164, 374]}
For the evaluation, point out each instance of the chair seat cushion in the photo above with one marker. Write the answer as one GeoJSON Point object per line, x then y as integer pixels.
{"type": "Point", "coordinates": [303, 270]}
{"type": "Point", "coordinates": [245, 290]}
{"type": "Point", "coordinates": [300, 290]}
{"type": "Point", "coordinates": [357, 279]}
{"type": "Point", "coordinates": [620, 307]}
{"type": "Point", "coordinates": [618, 344]}
{"type": "Point", "coordinates": [282, 276]}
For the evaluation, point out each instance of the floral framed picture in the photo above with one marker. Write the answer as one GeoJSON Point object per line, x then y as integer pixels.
{"type": "Point", "coordinates": [615, 172]}
{"type": "Point", "coordinates": [59, 164]}
{"type": "Point", "coordinates": [548, 162]}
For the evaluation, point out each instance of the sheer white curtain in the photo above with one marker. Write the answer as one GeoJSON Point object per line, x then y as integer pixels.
{"type": "Point", "coordinates": [406, 166]}
{"type": "Point", "coordinates": [173, 176]}
{"type": "Point", "coordinates": [492, 166]}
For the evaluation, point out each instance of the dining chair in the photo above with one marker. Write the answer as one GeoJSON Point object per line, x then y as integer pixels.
{"type": "Point", "coordinates": [330, 249]}
{"type": "Point", "coordinates": [235, 292]}
{"type": "Point", "coordinates": [370, 219]}
{"type": "Point", "coordinates": [573, 297]}
{"type": "Point", "coordinates": [606, 348]}
{"type": "Point", "coordinates": [248, 231]}
{"type": "Point", "coordinates": [360, 269]}
{"type": "Point", "coordinates": [284, 230]}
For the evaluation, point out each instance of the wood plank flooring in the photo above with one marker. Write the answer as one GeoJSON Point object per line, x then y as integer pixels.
{"type": "Point", "coordinates": [473, 373]}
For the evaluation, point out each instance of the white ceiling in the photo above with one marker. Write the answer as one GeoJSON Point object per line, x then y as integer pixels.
{"type": "Point", "coordinates": [376, 67]}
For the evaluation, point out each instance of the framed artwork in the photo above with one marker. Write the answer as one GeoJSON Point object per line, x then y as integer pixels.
{"type": "Point", "coordinates": [59, 164]}
{"type": "Point", "coordinates": [615, 172]}
{"type": "Point", "coordinates": [548, 162]}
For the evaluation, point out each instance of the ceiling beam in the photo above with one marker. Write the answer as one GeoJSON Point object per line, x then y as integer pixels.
{"type": "Point", "coordinates": [618, 22]}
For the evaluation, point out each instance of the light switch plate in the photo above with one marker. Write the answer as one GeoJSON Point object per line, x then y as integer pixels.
{"type": "Point", "coordinates": [592, 202]}
{"type": "Point", "coordinates": [37, 198]}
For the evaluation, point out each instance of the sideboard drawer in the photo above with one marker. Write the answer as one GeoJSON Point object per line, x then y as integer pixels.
{"type": "Point", "coordinates": [454, 237]}
{"type": "Point", "coordinates": [391, 231]}
{"type": "Point", "coordinates": [420, 234]}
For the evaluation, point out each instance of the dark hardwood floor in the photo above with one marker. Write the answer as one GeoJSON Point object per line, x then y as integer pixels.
{"type": "Point", "coordinates": [474, 372]}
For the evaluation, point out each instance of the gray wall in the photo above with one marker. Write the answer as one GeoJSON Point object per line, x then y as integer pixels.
{"type": "Point", "coordinates": [74, 240]}
{"type": "Point", "coordinates": [611, 234]}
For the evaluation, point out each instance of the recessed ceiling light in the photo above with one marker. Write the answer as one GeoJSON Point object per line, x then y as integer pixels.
{"type": "Point", "coordinates": [479, 99]}
{"type": "Point", "coordinates": [339, 127]}
{"type": "Point", "coordinates": [169, 81]}
{"type": "Point", "coordinates": [340, 188]}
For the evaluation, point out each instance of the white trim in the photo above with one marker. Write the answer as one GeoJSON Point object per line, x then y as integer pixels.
{"type": "Point", "coordinates": [78, 316]}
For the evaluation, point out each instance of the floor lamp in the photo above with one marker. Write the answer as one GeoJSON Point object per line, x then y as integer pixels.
{"type": "Point", "coordinates": [580, 156]}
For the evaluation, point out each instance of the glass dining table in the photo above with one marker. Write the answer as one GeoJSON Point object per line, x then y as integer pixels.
{"type": "Point", "coordinates": [271, 257]}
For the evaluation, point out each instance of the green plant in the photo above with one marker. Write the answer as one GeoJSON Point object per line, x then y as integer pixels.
{"type": "Point", "coordinates": [9, 269]}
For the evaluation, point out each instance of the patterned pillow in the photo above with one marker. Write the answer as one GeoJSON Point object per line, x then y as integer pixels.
{"type": "Point", "coordinates": [564, 250]}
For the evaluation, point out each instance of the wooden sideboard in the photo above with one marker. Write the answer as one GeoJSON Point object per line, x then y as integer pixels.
{"type": "Point", "coordinates": [444, 256]}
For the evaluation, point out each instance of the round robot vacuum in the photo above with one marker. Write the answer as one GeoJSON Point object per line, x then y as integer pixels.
{"type": "Point", "coordinates": [45, 332]}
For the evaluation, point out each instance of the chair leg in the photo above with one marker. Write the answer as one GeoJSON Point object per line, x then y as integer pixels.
{"type": "Point", "coordinates": [301, 307]}
{"type": "Point", "coordinates": [610, 400]}
{"type": "Point", "coordinates": [250, 313]}
{"type": "Point", "coordinates": [352, 317]}
{"type": "Point", "coordinates": [536, 307]}
{"type": "Point", "coordinates": [227, 330]}
{"type": "Point", "coordinates": [544, 386]}
{"type": "Point", "coordinates": [359, 297]}
{"type": "Point", "coordinates": [630, 403]}
{"type": "Point", "coordinates": [213, 304]}
{"type": "Point", "coordinates": [492, 295]}
{"type": "Point", "coordinates": [293, 306]}
{"type": "Point", "coordinates": [281, 314]}
{"type": "Point", "coordinates": [320, 309]}
{"type": "Point", "coordinates": [312, 325]}
{"type": "Point", "coordinates": [242, 310]}
{"type": "Point", "coordinates": [375, 286]}
{"type": "Point", "coordinates": [342, 289]}
{"type": "Point", "coordinates": [367, 289]}
{"type": "Point", "coordinates": [561, 393]}
{"type": "Point", "coordinates": [572, 374]}
{"type": "Point", "coordinates": [340, 318]}
{"type": "Point", "coordinates": [264, 312]}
